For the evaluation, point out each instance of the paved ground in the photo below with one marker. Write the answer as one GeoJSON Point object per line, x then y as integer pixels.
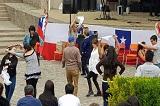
{"type": "Point", "coordinates": [51, 70]}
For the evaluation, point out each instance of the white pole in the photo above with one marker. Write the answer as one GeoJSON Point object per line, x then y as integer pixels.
{"type": "Point", "coordinates": [49, 5]}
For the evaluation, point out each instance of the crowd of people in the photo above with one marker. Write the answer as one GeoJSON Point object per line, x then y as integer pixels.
{"type": "Point", "coordinates": [85, 54]}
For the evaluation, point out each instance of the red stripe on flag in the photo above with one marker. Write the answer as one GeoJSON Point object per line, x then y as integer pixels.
{"type": "Point", "coordinates": [40, 32]}
{"type": "Point", "coordinates": [48, 51]}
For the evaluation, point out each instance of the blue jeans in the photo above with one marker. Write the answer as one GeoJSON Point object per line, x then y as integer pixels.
{"type": "Point", "coordinates": [106, 94]}
{"type": "Point", "coordinates": [10, 88]}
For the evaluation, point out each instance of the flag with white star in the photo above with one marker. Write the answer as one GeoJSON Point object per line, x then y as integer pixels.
{"type": "Point", "coordinates": [124, 37]}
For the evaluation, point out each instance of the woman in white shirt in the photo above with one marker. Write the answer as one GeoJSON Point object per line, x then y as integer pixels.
{"type": "Point", "coordinates": [94, 59]}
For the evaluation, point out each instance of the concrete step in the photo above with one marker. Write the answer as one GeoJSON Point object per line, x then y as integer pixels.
{"type": "Point", "coordinates": [12, 34]}
{"type": "Point", "coordinates": [6, 44]}
{"type": "Point", "coordinates": [4, 18]}
{"type": "Point", "coordinates": [2, 4]}
{"type": "Point", "coordinates": [4, 14]}
{"type": "Point", "coordinates": [11, 39]}
{"type": "Point", "coordinates": [3, 11]}
{"type": "Point", "coordinates": [2, 30]}
{"type": "Point", "coordinates": [2, 7]}
{"type": "Point", "coordinates": [2, 51]}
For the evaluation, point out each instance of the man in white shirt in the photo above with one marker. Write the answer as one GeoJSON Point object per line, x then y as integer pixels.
{"type": "Point", "coordinates": [69, 99]}
{"type": "Point", "coordinates": [155, 48]}
{"type": "Point", "coordinates": [148, 69]}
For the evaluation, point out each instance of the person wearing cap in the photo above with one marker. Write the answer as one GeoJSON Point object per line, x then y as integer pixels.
{"type": "Point", "coordinates": [71, 60]}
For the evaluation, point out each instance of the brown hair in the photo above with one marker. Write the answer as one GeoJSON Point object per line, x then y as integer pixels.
{"type": "Point", "coordinates": [95, 41]}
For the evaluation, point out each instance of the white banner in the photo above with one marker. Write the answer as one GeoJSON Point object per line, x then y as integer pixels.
{"type": "Point", "coordinates": [56, 32]}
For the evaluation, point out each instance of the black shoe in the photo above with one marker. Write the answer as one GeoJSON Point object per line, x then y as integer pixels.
{"type": "Point", "coordinates": [98, 94]}
{"type": "Point", "coordinates": [90, 93]}
{"type": "Point", "coordinates": [83, 74]}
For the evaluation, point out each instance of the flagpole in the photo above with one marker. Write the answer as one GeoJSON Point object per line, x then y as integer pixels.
{"type": "Point", "coordinates": [49, 5]}
{"type": "Point", "coordinates": [70, 16]}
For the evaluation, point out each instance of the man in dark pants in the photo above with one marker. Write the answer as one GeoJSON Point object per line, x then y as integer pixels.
{"type": "Point", "coordinates": [85, 51]}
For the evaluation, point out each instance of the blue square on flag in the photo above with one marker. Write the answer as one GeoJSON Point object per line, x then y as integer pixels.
{"type": "Point", "coordinates": [124, 37]}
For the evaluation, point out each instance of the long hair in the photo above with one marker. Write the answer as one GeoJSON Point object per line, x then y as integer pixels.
{"type": "Point", "coordinates": [27, 47]}
{"type": "Point", "coordinates": [111, 56]}
{"type": "Point", "coordinates": [49, 87]}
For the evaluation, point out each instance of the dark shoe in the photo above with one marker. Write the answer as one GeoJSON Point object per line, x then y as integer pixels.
{"type": "Point", "coordinates": [90, 93]}
{"type": "Point", "coordinates": [98, 94]}
{"type": "Point", "coordinates": [83, 74]}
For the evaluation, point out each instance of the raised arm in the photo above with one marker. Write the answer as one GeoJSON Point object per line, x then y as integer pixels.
{"type": "Point", "coordinates": [149, 47]}
{"type": "Point", "coordinates": [21, 55]}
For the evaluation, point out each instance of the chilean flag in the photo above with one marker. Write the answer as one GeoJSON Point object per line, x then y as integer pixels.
{"type": "Point", "coordinates": [47, 49]}
{"type": "Point", "coordinates": [124, 37]}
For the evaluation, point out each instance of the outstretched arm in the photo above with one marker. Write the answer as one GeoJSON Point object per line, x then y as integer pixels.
{"type": "Point", "coordinates": [148, 47]}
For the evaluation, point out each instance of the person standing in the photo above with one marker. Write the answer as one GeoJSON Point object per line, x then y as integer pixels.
{"type": "Point", "coordinates": [94, 59]}
{"type": "Point", "coordinates": [10, 61]}
{"type": "Point", "coordinates": [32, 38]}
{"type": "Point", "coordinates": [3, 101]}
{"type": "Point", "coordinates": [156, 49]}
{"type": "Point", "coordinates": [110, 63]}
{"type": "Point", "coordinates": [32, 70]}
{"type": "Point", "coordinates": [71, 59]}
{"type": "Point", "coordinates": [29, 100]}
{"type": "Point", "coordinates": [86, 49]}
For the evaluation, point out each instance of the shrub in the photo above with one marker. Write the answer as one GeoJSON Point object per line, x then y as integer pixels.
{"type": "Point", "coordinates": [146, 89]}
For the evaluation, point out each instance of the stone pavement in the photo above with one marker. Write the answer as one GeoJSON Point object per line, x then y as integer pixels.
{"type": "Point", "coordinates": [51, 70]}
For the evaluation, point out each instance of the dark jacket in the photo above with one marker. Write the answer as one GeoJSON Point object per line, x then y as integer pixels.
{"type": "Point", "coordinates": [86, 48]}
{"type": "Point", "coordinates": [3, 101]}
{"type": "Point", "coordinates": [47, 99]}
{"type": "Point", "coordinates": [12, 66]}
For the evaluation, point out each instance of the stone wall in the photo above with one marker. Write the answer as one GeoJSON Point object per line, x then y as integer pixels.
{"type": "Point", "coordinates": [37, 3]}
{"type": "Point", "coordinates": [22, 15]}
{"type": "Point", "coordinates": [21, 18]}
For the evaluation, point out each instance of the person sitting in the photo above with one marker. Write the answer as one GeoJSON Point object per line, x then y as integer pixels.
{"type": "Point", "coordinates": [3, 101]}
{"type": "Point", "coordinates": [29, 100]}
{"type": "Point", "coordinates": [48, 98]}
{"type": "Point", "coordinates": [69, 99]}
{"type": "Point", "coordinates": [148, 69]}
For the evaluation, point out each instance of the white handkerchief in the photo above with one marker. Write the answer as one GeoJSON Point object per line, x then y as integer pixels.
{"type": "Point", "coordinates": [81, 19]}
